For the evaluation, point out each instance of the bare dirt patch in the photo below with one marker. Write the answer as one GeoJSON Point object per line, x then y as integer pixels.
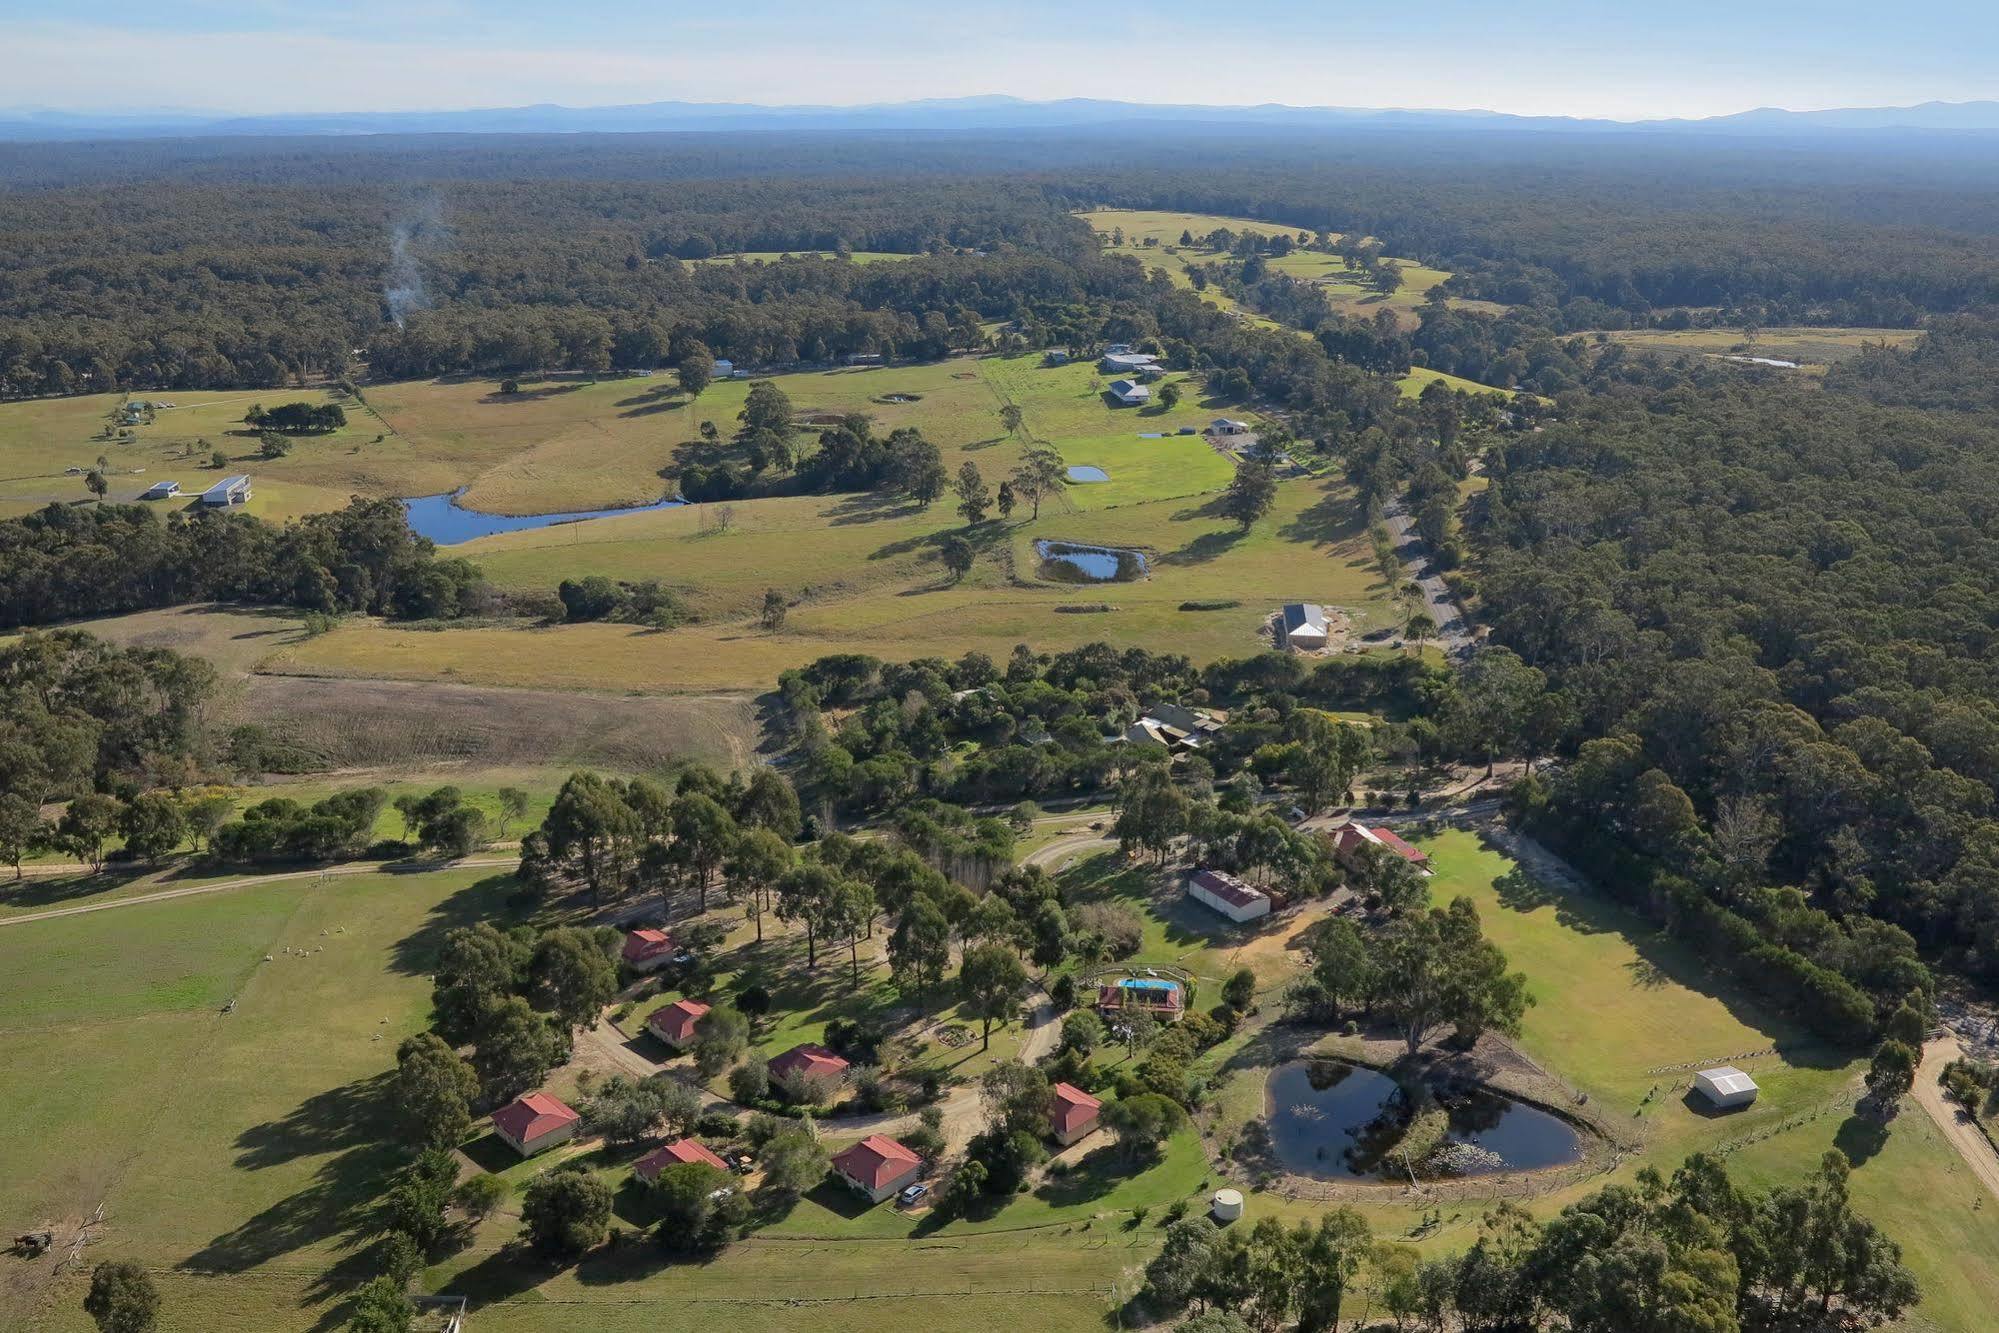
{"type": "Point", "coordinates": [363, 722]}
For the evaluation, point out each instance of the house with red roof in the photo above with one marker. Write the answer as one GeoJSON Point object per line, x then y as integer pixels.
{"type": "Point", "coordinates": [678, 1152]}
{"type": "Point", "coordinates": [535, 1123]}
{"type": "Point", "coordinates": [877, 1166]}
{"type": "Point", "coordinates": [808, 1073]}
{"type": "Point", "coordinates": [1073, 1114]}
{"type": "Point", "coordinates": [1348, 840]}
{"type": "Point", "coordinates": [1222, 892]}
{"type": "Point", "coordinates": [647, 950]}
{"type": "Point", "coordinates": [676, 1024]}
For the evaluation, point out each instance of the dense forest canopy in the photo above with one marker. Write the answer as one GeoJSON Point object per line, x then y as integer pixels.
{"type": "Point", "coordinates": [1784, 601]}
{"type": "Point", "coordinates": [215, 263]}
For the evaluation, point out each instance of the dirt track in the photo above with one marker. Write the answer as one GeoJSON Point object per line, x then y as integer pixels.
{"type": "Point", "coordinates": [1971, 1144]}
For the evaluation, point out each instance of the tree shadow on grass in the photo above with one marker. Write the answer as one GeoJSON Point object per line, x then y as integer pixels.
{"type": "Point", "coordinates": [1100, 1172]}
{"type": "Point", "coordinates": [1331, 520]}
{"type": "Point", "coordinates": [490, 1153]}
{"type": "Point", "coordinates": [506, 1274]}
{"type": "Point", "coordinates": [349, 1116]}
{"type": "Point", "coordinates": [870, 507]}
{"type": "Point", "coordinates": [982, 537]}
{"type": "Point", "coordinates": [55, 890]}
{"type": "Point", "coordinates": [415, 954]}
{"type": "Point", "coordinates": [1208, 546]}
{"type": "Point", "coordinates": [1860, 1137]}
{"type": "Point", "coordinates": [338, 1201]}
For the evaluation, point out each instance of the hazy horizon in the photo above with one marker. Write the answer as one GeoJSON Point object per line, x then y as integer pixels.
{"type": "Point", "coordinates": [1539, 58]}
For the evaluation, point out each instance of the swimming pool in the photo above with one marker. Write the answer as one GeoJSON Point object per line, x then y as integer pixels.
{"type": "Point", "coordinates": [1148, 983]}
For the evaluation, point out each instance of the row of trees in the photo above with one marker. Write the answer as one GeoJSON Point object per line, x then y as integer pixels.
{"type": "Point", "coordinates": [1693, 1252]}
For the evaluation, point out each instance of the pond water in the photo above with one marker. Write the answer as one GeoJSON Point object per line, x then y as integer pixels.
{"type": "Point", "coordinates": [1763, 361]}
{"type": "Point", "coordinates": [1067, 562]}
{"type": "Point", "coordinates": [446, 522]}
{"type": "Point", "coordinates": [1083, 472]}
{"type": "Point", "coordinates": [1338, 1121]}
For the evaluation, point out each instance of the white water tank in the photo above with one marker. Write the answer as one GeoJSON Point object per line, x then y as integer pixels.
{"type": "Point", "coordinates": [1226, 1206]}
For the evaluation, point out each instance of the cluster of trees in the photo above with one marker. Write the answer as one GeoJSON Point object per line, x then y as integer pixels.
{"type": "Point", "coordinates": [615, 835]}
{"type": "Point", "coordinates": [1695, 1251]}
{"type": "Point", "coordinates": [297, 418]}
{"type": "Point", "coordinates": [65, 562]}
{"type": "Point", "coordinates": [1425, 970]}
{"type": "Point", "coordinates": [647, 602]}
{"type": "Point", "coordinates": [96, 725]}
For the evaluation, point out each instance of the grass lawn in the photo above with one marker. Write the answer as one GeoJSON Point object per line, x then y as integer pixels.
{"type": "Point", "coordinates": [231, 1152]}
{"type": "Point", "coordinates": [1419, 379]}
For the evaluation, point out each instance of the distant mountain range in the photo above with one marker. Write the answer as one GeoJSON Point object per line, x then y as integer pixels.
{"type": "Point", "coordinates": [962, 113]}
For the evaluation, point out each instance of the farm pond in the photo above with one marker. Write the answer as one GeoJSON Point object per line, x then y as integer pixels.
{"type": "Point", "coordinates": [1085, 473]}
{"type": "Point", "coordinates": [446, 522]}
{"type": "Point", "coordinates": [1066, 562]}
{"type": "Point", "coordinates": [1338, 1121]}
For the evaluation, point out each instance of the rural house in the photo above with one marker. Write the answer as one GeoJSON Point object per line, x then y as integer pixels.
{"type": "Point", "coordinates": [647, 950]}
{"type": "Point", "coordinates": [1224, 893]}
{"type": "Point", "coordinates": [1157, 996]}
{"type": "Point", "coordinates": [678, 1023]}
{"type": "Point", "coordinates": [679, 1152]}
{"type": "Point", "coordinates": [229, 491]}
{"type": "Point", "coordinates": [161, 490]}
{"type": "Point", "coordinates": [1130, 392]}
{"type": "Point", "coordinates": [1073, 1114]}
{"type": "Point", "coordinates": [1349, 838]}
{"type": "Point", "coordinates": [535, 1122]}
{"type": "Point", "coordinates": [1725, 1087]}
{"type": "Point", "coordinates": [877, 1166]}
{"type": "Point", "coordinates": [1127, 363]}
{"type": "Point", "coordinates": [1228, 426]}
{"type": "Point", "coordinates": [1304, 626]}
{"type": "Point", "coordinates": [807, 1072]}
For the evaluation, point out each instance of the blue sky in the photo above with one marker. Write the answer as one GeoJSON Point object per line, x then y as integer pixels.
{"type": "Point", "coordinates": [1602, 58]}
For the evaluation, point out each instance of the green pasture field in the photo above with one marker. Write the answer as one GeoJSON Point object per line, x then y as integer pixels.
{"type": "Point", "coordinates": [1349, 292]}
{"type": "Point", "coordinates": [1812, 348]}
{"type": "Point", "coordinates": [1419, 379]}
{"type": "Point", "coordinates": [41, 438]}
{"type": "Point", "coordinates": [232, 1152]}
{"type": "Point", "coordinates": [876, 587]}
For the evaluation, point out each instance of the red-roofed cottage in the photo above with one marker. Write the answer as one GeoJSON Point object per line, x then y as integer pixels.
{"type": "Point", "coordinates": [877, 1166]}
{"type": "Point", "coordinates": [1348, 839]}
{"type": "Point", "coordinates": [534, 1123]}
{"type": "Point", "coordinates": [1224, 893]}
{"type": "Point", "coordinates": [647, 950]}
{"type": "Point", "coordinates": [807, 1073]}
{"type": "Point", "coordinates": [679, 1151]}
{"type": "Point", "coordinates": [1413, 855]}
{"type": "Point", "coordinates": [676, 1023]}
{"type": "Point", "coordinates": [1073, 1115]}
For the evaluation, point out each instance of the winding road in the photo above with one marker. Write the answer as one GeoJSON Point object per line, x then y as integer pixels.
{"type": "Point", "coordinates": [1454, 628]}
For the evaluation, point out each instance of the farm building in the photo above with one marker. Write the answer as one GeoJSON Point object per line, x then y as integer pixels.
{"type": "Point", "coordinates": [161, 490]}
{"type": "Point", "coordinates": [1349, 838]}
{"type": "Point", "coordinates": [1304, 626]}
{"type": "Point", "coordinates": [535, 1122]}
{"type": "Point", "coordinates": [1223, 892]}
{"type": "Point", "coordinates": [877, 1166]}
{"type": "Point", "coordinates": [646, 949]}
{"type": "Point", "coordinates": [1127, 363]}
{"type": "Point", "coordinates": [677, 1024]}
{"type": "Point", "coordinates": [1725, 1087]}
{"type": "Point", "coordinates": [1228, 426]}
{"type": "Point", "coordinates": [1073, 1115]}
{"type": "Point", "coordinates": [724, 368]}
{"type": "Point", "coordinates": [1164, 1000]}
{"type": "Point", "coordinates": [679, 1151]}
{"type": "Point", "coordinates": [229, 491]}
{"type": "Point", "coordinates": [808, 1072]}
{"type": "Point", "coordinates": [1130, 392]}
{"type": "Point", "coordinates": [1057, 356]}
